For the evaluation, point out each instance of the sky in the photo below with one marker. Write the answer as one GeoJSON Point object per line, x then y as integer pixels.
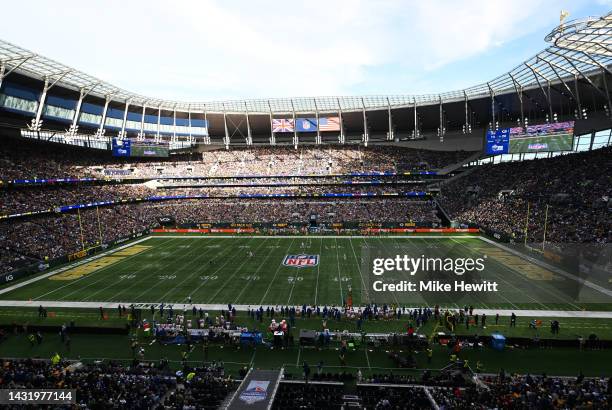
{"type": "Point", "coordinates": [205, 50]}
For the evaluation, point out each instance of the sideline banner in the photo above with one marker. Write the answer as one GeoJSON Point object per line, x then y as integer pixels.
{"type": "Point", "coordinates": [368, 230]}
{"type": "Point", "coordinates": [256, 391]}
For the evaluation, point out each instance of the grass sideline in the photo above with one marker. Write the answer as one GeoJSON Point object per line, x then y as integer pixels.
{"type": "Point", "coordinates": [557, 361]}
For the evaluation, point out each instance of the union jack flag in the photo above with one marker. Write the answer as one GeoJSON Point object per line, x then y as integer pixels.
{"type": "Point", "coordinates": [329, 124]}
{"type": "Point", "coordinates": [282, 125]}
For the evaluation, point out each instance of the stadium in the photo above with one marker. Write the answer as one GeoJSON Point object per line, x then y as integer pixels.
{"type": "Point", "coordinates": [446, 250]}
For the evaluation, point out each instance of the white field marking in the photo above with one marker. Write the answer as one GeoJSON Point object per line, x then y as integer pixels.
{"type": "Point", "coordinates": [309, 245]}
{"type": "Point", "coordinates": [256, 271]}
{"type": "Point", "coordinates": [113, 283]}
{"type": "Point", "coordinates": [392, 293]}
{"type": "Point", "coordinates": [222, 266]}
{"type": "Point", "coordinates": [418, 251]}
{"type": "Point", "coordinates": [185, 266]}
{"type": "Point", "coordinates": [295, 280]}
{"type": "Point", "coordinates": [297, 361]}
{"type": "Point", "coordinates": [318, 271]}
{"type": "Point", "coordinates": [545, 265]}
{"type": "Point", "coordinates": [510, 283]}
{"type": "Point", "coordinates": [136, 282]}
{"type": "Point", "coordinates": [338, 262]}
{"type": "Point", "coordinates": [535, 283]}
{"type": "Point", "coordinates": [586, 314]}
{"type": "Point", "coordinates": [441, 252]}
{"type": "Point", "coordinates": [65, 268]}
{"type": "Point", "coordinates": [90, 275]}
{"type": "Point", "coordinates": [359, 268]}
{"type": "Point", "coordinates": [280, 265]}
{"type": "Point", "coordinates": [155, 272]}
{"type": "Point", "coordinates": [501, 294]}
{"type": "Point", "coordinates": [212, 275]}
{"type": "Point", "coordinates": [236, 271]}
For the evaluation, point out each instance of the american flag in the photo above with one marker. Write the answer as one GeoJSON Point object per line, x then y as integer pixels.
{"type": "Point", "coordinates": [282, 125]}
{"type": "Point", "coordinates": [329, 124]}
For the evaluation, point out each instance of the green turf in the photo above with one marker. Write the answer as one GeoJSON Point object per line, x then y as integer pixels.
{"type": "Point", "coordinates": [555, 143]}
{"type": "Point", "coordinates": [571, 328]}
{"type": "Point", "coordinates": [217, 270]}
{"type": "Point", "coordinates": [88, 347]}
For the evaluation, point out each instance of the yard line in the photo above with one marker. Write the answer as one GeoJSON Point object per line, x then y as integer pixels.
{"type": "Point", "coordinates": [204, 282]}
{"type": "Point", "coordinates": [229, 249]}
{"type": "Point", "coordinates": [195, 261]}
{"type": "Point", "coordinates": [318, 271]}
{"type": "Point", "coordinates": [40, 277]}
{"type": "Point", "coordinates": [141, 281]}
{"type": "Point", "coordinates": [121, 270]}
{"type": "Point", "coordinates": [295, 279]}
{"type": "Point", "coordinates": [550, 267]}
{"type": "Point", "coordinates": [478, 301]}
{"type": "Point", "coordinates": [235, 272]}
{"type": "Point", "coordinates": [392, 293]}
{"type": "Point", "coordinates": [88, 276]}
{"type": "Point", "coordinates": [507, 282]}
{"type": "Point", "coordinates": [275, 274]}
{"type": "Point", "coordinates": [293, 285]}
{"type": "Point", "coordinates": [339, 278]}
{"type": "Point", "coordinates": [445, 252]}
{"type": "Point", "coordinates": [272, 249]}
{"type": "Point", "coordinates": [418, 251]}
{"type": "Point", "coordinates": [367, 357]}
{"type": "Point", "coordinates": [359, 268]}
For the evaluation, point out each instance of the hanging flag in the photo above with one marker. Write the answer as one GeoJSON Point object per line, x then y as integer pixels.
{"type": "Point", "coordinates": [282, 125]}
{"type": "Point", "coordinates": [329, 124]}
{"type": "Point", "coordinates": [306, 125]}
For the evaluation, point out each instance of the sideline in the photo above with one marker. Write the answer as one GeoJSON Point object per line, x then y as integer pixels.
{"type": "Point", "coordinates": [70, 266]}
{"type": "Point", "coordinates": [591, 314]}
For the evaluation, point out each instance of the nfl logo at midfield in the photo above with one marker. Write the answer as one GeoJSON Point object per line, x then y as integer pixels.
{"type": "Point", "coordinates": [301, 261]}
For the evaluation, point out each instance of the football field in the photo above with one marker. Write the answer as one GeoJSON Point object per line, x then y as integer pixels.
{"type": "Point", "coordinates": [257, 270]}
{"type": "Point", "coordinates": [562, 142]}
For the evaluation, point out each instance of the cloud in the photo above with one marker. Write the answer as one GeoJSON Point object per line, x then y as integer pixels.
{"type": "Point", "coordinates": [201, 50]}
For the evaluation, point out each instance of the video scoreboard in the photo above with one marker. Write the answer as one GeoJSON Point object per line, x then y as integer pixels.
{"type": "Point", "coordinates": [557, 136]}
{"type": "Point", "coordinates": [129, 148]}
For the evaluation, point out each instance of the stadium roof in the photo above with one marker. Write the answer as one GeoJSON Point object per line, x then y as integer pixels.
{"type": "Point", "coordinates": [578, 48]}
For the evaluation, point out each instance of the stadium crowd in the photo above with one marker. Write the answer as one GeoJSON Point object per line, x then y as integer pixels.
{"type": "Point", "coordinates": [27, 159]}
{"type": "Point", "coordinates": [576, 189]}
{"type": "Point", "coordinates": [111, 385]}
{"type": "Point", "coordinates": [156, 386]}
{"type": "Point", "coordinates": [15, 201]}
{"type": "Point", "coordinates": [528, 392]}
{"type": "Point", "coordinates": [290, 180]}
{"type": "Point", "coordinates": [51, 236]}
{"type": "Point", "coordinates": [44, 198]}
{"type": "Point", "coordinates": [491, 392]}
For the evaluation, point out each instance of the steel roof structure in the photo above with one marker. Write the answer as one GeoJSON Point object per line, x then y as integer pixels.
{"type": "Point", "coordinates": [579, 49]}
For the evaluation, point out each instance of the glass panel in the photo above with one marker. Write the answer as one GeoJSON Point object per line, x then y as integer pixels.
{"type": "Point", "coordinates": [18, 104]}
